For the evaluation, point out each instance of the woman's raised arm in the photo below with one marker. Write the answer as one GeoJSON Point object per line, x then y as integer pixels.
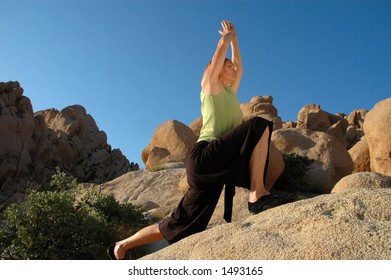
{"type": "Point", "coordinates": [236, 60]}
{"type": "Point", "coordinates": [210, 82]}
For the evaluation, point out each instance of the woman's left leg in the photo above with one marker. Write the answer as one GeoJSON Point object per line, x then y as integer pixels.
{"type": "Point", "coordinates": [144, 236]}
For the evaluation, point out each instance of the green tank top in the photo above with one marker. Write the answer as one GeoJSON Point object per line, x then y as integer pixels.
{"type": "Point", "coordinates": [220, 113]}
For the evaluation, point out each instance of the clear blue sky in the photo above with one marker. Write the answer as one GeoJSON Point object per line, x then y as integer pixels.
{"type": "Point", "coordinates": [136, 64]}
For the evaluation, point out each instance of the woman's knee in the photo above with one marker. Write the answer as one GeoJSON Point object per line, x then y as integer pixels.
{"type": "Point", "coordinates": [261, 124]}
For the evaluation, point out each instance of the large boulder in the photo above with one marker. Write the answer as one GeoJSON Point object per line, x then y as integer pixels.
{"type": "Point", "coordinates": [331, 159]}
{"type": "Point", "coordinates": [170, 143]}
{"type": "Point", "coordinates": [377, 127]}
{"type": "Point", "coordinates": [351, 225]}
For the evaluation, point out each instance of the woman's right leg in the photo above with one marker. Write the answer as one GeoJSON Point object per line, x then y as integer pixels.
{"type": "Point", "coordinates": [259, 196]}
{"type": "Point", "coordinates": [144, 236]}
{"type": "Point", "coordinates": [258, 166]}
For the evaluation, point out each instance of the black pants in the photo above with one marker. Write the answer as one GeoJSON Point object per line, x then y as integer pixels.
{"type": "Point", "coordinates": [210, 166]}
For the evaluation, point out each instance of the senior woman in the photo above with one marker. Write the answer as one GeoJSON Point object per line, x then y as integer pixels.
{"type": "Point", "coordinates": [229, 152]}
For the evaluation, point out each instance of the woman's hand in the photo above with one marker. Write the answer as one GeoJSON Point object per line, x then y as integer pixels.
{"type": "Point", "coordinates": [228, 31]}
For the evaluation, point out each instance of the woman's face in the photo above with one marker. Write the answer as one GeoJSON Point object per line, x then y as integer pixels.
{"type": "Point", "coordinates": [228, 73]}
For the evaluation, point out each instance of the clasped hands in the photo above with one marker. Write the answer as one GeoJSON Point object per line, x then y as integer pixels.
{"type": "Point", "coordinates": [228, 31]}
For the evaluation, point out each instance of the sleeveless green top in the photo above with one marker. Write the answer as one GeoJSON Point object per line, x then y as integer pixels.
{"type": "Point", "coordinates": [220, 113]}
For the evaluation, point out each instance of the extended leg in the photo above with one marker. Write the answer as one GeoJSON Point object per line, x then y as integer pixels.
{"type": "Point", "coordinates": [144, 236]}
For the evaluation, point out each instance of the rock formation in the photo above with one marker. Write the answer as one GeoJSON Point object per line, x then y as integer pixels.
{"type": "Point", "coordinates": [346, 130]}
{"type": "Point", "coordinates": [377, 127]}
{"type": "Point", "coordinates": [80, 147]}
{"type": "Point", "coordinates": [32, 145]}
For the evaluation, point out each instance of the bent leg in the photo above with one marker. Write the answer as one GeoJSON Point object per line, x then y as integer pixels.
{"type": "Point", "coordinates": [260, 197]}
{"type": "Point", "coordinates": [258, 167]}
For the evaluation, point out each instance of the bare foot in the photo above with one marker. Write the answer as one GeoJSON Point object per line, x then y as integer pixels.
{"type": "Point", "coordinates": [119, 251]}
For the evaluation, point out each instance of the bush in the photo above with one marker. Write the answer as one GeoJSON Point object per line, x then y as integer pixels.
{"type": "Point", "coordinates": [124, 218]}
{"type": "Point", "coordinates": [47, 226]}
{"type": "Point", "coordinates": [296, 168]}
{"type": "Point", "coordinates": [54, 225]}
{"type": "Point", "coordinates": [117, 213]}
{"type": "Point", "coordinates": [62, 181]}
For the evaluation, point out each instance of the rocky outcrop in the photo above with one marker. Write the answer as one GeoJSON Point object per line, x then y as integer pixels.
{"type": "Point", "coordinates": [169, 144]}
{"type": "Point", "coordinates": [80, 147]}
{"type": "Point", "coordinates": [32, 145]}
{"type": "Point", "coordinates": [377, 127]}
{"type": "Point", "coordinates": [347, 130]}
{"type": "Point", "coordinates": [331, 159]}
{"type": "Point", "coordinates": [319, 228]}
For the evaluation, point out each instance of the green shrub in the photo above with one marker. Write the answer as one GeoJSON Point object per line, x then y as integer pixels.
{"type": "Point", "coordinates": [114, 212]}
{"type": "Point", "coordinates": [124, 218]}
{"type": "Point", "coordinates": [48, 226]}
{"type": "Point", "coordinates": [62, 181]}
{"type": "Point", "coordinates": [54, 225]}
{"type": "Point", "coordinates": [296, 168]}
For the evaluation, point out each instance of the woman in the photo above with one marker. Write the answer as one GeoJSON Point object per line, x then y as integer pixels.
{"type": "Point", "coordinates": [228, 152]}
